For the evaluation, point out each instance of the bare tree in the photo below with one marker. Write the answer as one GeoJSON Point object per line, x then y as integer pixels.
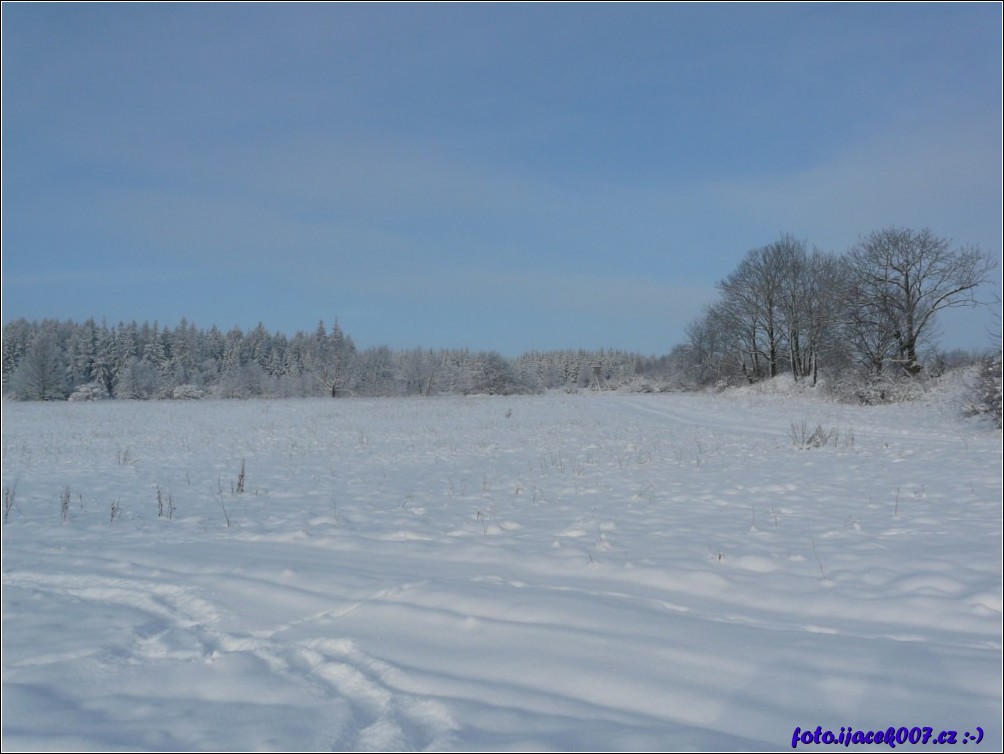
{"type": "Point", "coordinates": [899, 280]}
{"type": "Point", "coordinates": [780, 308]}
{"type": "Point", "coordinates": [708, 349]}
{"type": "Point", "coordinates": [810, 293]}
{"type": "Point", "coordinates": [749, 313]}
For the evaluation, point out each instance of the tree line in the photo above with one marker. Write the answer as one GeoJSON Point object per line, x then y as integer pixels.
{"type": "Point", "coordinates": [54, 360]}
{"type": "Point", "coordinates": [863, 318]}
{"type": "Point", "coordinates": [865, 315]}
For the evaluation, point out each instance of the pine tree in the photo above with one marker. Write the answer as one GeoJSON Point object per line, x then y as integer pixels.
{"type": "Point", "coordinates": [16, 339]}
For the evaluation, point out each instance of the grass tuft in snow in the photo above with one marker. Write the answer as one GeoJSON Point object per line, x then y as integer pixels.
{"type": "Point", "coordinates": [64, 504]}
{"type": "Point", "coordinates": [8, 501]}
{"type": "Point", "coordinates": [803, 438]}
{"type": "Point", "coordinates": [164, 510]}
{"type": "Point", "coordinates": [241, 477]}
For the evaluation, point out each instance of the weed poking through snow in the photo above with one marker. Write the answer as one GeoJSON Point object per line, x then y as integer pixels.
{"type": "Point", "coordinates": [64, 504]}
{"type": "Point", "coordinates": [162, 509]}
{"type": "Point", "coordinates": [8, 501]}
{"type": "Point", "coordinates": [802, 438]}
{"type": "Point", "coordinates": [240, 479]}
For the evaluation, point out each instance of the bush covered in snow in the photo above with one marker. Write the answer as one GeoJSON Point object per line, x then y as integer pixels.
{"type": "Point", "coordinates": [986, 399]}
{"type": "Point", "coordinates": [871, 389]}
{"type": "Point", "coordinates": [92, 391]}
{"type": "Point", "coordinates": [187, 393]}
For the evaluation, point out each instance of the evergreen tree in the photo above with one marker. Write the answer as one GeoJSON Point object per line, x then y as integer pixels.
{"type": "Point", "coordinates": [16, 339]}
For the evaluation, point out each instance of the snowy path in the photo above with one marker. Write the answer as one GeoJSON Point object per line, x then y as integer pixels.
{"type": "Point", "coordinates": [557, 572]}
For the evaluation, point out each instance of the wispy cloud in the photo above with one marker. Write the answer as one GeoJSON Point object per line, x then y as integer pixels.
{"type": "Point", "coordinates": [945, 177]}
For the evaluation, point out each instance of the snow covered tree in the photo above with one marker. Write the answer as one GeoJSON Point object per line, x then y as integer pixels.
{"type": "Point", "coordinates": [81, 345]}
{"type": "Point", "coordinates": [987, 399]}
{"type": "Point", "coordinates": [40, 375]}
{"type": "Point", "coordinates": [102, 369]}
{"type": "Point", "coordinates": [492, 374]}
{"type": "Point", "coordinates": [137, 380]}
{"type": "Point", "coordinates": [154, 352]}
{"type": "Point", "coordinates": [374, 372]}
{"type": "Point", "coordinates": [341, 352]}
{"type": "Point", "coordinates": [16, 340]}
{"type": "Point", "coordinates": [182, 351]}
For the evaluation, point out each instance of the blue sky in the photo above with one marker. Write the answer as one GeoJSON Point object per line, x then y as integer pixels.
{"type": "Point", "coordinates": [501, 177]}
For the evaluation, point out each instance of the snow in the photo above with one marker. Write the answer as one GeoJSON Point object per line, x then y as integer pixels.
{"type": "Point", "coordinates": [560, 572]}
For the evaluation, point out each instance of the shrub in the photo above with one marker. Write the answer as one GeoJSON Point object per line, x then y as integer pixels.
{"type": "Point", "coordinates": [871, 389]}
{"type": "Point", "coordinates": [187, 393]}
{"type": "Point", "coordinates": [92, 391]}
{"type": "Point", "coordinates": [986, 399]}
{"type": "Point", "coordinates": [803, 437]}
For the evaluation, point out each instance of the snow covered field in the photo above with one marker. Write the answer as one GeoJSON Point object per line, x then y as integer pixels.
{"type": "Point", "coordinates": [560, 572]}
